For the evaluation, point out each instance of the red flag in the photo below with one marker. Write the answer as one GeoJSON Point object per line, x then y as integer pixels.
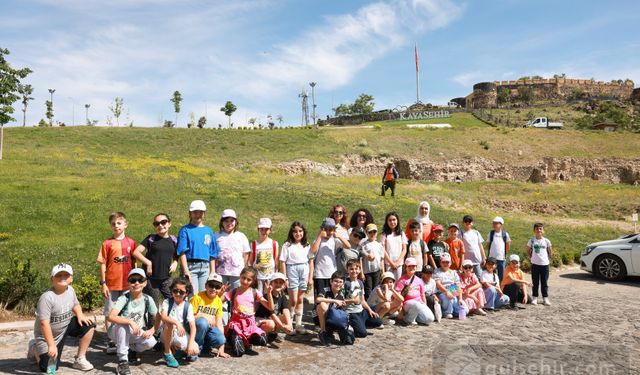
{"type": "Point", "coordinates": [416, 49]}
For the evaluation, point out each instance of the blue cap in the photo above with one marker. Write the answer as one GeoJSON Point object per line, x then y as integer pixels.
{"type": "Point", "coordinates": [328, 223]}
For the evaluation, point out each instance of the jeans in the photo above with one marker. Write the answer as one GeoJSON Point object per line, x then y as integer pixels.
{"type": "Point", "coordinates": [540, 275]}
{"type": "Point", "coordinates": [450, 306]}
{"type": "Point", "coordinates": [371, 280]}
{"type": "Point", "coordinates": [298, 275]}
{"type": "Point", "coordinates": [494, 301]}
{"type": "Point", "coordinates": [361, 320]}
{"type": "Point", "coordinates": [416, 311]}
{"type": "Point", "coordinates": [233, 281]}
{"type": "Point", "coordinates": [199, 271]}
{"type": "Point", "coordinates": [208, 337]}
{"type": "Point", "coordinates": [477, 269]}
{"type": "Point", "coordinates": [500, 264]}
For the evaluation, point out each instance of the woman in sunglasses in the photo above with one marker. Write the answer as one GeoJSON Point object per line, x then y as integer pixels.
{"type": "Point", "coordinates": [160, 259]}
{"type": "Point", "coordinates": [339, 214]}
{"type": "Point", "coordinates": [472, 292]}
{"type": "Point", "coordinates": [360, 219]}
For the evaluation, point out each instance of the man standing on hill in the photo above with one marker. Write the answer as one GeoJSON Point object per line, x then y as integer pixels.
{"type": "Point", "coordinates": [389, 179]}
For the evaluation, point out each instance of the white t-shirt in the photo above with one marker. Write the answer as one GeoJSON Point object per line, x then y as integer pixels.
{"type": "Point", "coordinates": [177, 311]}
{"type": "Point", "coordinates": [325, 258]}
{"type": "Point", "coordinates": [491, 278]}
{"type": "Point", "coordinates": [374, 298]}
{"type": "Point", "coordinates": [354, 288]}
{"type": "Point", "coordinates": [264, 263]}
{"type": "Point", "coordinates": [498, 247]}
{"type": "Point", "coordinates": [539, 251]}
{"type": "Point", "coordinates": [232, 246]}
{"type": "Point", "coordinates": [393, 244]}
{"type": "Point", "coordinates": [369, 247]}
{"type": "Point", "coordinates": [295, 253]}
{"type": "Point", "coordinates": [430, 287]}
{"type": "Point", "coordinates": [448, 279]}
{"type": "Point", "coordinates": [472, 240]}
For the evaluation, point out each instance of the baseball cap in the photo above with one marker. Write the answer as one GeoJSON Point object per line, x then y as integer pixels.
{"type": "Point", "coordinates": [215, 277]}
{"type": "Point", "coordinates": [454, 225]}
{"type": "Point", "coordinates": [445, 256]}
{"type": "Point", "coordinates": [371, 227]}
{"type": "Point", "coordinates": [388, 275]}
{"type": "Point", "coordinates": [410, 262]}
{"type": "Point", "coordinates": [467, 219]}
{"type": "Point", "coordinates": [467, 262]}
{"type": "Point", "coordinates": [358, 232]}
{"type": "Point", "coordinates": [498, 219]}
{"type": "Point", "coordinates": [228, 213]}
{"type": "Point", "coordinates": [438, 227]}
{"type": "Point", "coordinates": [137, 271]}
{"type": "Point", "coordinates": [264, 222]}
{"type": "Point", "coordinates": [197, 205]}
{"type": "Point", "coordinates": [328, 223]}
{"type": "Point", "coordinates": [61, 267]}
{"type": "Point", "coordinates": [427, 269]}
{"type": "Point", "coordinates": [514, 258]}
{"type": "Point", "coordinates": [492, 260]}
{"type": "Point", "coordinates": [278, 276]}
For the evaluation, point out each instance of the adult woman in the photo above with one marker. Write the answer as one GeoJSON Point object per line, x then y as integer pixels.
{"type": "Point", "coordinates": [339, 214]}
{"type": "Point", "coordinates": [360, 219]}
{"type": "Point", "coordinates": [472, 293]}
{"type": "Point", "coordinates": [423, 218]}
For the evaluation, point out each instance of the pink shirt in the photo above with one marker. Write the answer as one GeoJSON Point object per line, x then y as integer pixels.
{"type": "Point", "coordinates": [416, 288]}
{"type": "Point", "coordinates": [466, 282]}
{"type": "Point", "coordinates": [244, 302]}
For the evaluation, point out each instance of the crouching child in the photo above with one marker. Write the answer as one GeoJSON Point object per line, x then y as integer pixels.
{"type": "Point", "coordinates": [279, 319]}
{"type": "Point", "coordinates": [178, 336]}
{"type": "Point", "coordinates": [330, 314]}
{"type": "Point", "coordinates": [207, 306]}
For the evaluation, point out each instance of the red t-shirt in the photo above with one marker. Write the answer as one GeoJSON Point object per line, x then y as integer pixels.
{"type": "Point", "coordinates": [117, 255]}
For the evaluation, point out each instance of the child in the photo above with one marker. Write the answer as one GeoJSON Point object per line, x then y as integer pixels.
{"type": "Point", "coordinates": [472, 293]}
{"type": "Point", "coordinates": [499, 244]}
{"type": "Point", "coordinates": [456, 246]}
{"type": "Point", "coordinates": [197, 248]}
{"type": "Point", "coordinates": [264, 253]}
{"type": "Point", "coordinates": [372, 256]}
{"type": "Point", "coordinates": [344, 255]}
{"type": "Point", "coordinates": [332, 297]}
{"type": "Point", "coordinates": [59, 315]}
{"type": "Point", "coordinates": [448, 284]}
{"type": "Point", "coordinates": [412, 290]}
{"type": "Point", "coordinates": [278, 319]}
{"type": "Point", "coordinates": [394, 243]}
{"type": "Point", "coordinates": [417, 249]}
{"type": "Point", "coordinates": [514, 285]}
{"type": "Point", "coordinates": [493, 293]}
{"type": "Point", "coordinates": [324, 248]}
{"type": "Point", "coordinates": [539, 251]}
{"type": "Point", "coordinates": [437, 247]}
{"type": "Point", "coordinates": [430, 290]}
{"type": "Point", "coordinates": [361, 315]}
{"type": "Point", "coordinates": [242, 329]}
{"type": "Point", "coordinates": [234, 249]}
{"type": "Point", "coordinates": [178, 335]}
{"type": "Point", "coordinates": [472, 239]}
{"type": "Point", "coordinates": [297, 258]}
{"type": "Point", "coordinates": [207, 307]}
{"type": "Point", "coordinates": [385, 300]}
{"type": "Point", "coordinates": [134, 322]}
{"type": "Point", "coordinates": [160, 260]}
{"type": "Point", "coordinates": [116, 260]}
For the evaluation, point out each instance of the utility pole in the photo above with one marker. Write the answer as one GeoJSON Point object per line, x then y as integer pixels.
{"type": "Point", "coordinates": [86, 107]}
{"type": "Point", "coordinates": [313, 103]}
{"type": "Point", "coordinates": [51, 91]}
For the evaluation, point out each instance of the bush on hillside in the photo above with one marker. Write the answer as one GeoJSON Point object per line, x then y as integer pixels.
{"type": "Point", "coordinates": [20, 285]}
{"type": "Point", "coordinates": [88, 291]}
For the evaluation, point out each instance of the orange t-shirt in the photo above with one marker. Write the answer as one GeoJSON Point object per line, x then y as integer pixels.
{"type": "Point", "coordinates": [427, 234]}
{"type": "Point", "coordinates": [456, 250]}
{"type": "Point", "coordinates": [388, 176]}
{"type": "Point", "coordinates": [117, 255]}
{"type": "Point", "coordinates": [511, 273]}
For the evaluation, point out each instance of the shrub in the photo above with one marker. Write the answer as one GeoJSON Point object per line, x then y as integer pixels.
{"type": "Point", "coordinates": [42, 123]}
{"type": "Point", "coordinates": [556, 259]}
{"type": "Point", "coordinates": [484, 144]}
{"type": "Point", "coordinates": [362, 143]}
{"type": "Point", "coordinates": [567, 258]}
{"type": "Point", "coordinates": [20, 285]}
{"type": "Point", "coordinates": [366, 154]}
{"type": "Point", "coordinates": [525, 263]}
{"type": "Point", "coordinates": [377, 127]}
{"type": "Point", "coordinates": [576, 256]}
{"type": "Point", "coordinates": [88, 292]}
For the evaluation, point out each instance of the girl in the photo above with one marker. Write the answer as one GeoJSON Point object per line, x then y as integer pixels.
{"type": "Point", "coordinates": [412, 289]}
{"type": "Point", "coordinates": [491, 283]}
{"type": "Point", "coordinates": [385, 300]}
{"type": "Point", "coordinates": [394, 243]}
{"type": "Point", "coordinates": [197, 249]}
{"type": "Point", "coordinates": [360, 219]}
{"type": "Point", "coordinates": [178, 335]}
{"type": "Point", "coordinates": [234, 249]}
{"type": "Point", "coordinates": [472, 293]}
{"type": "Point", "coordinates": [448, 285]}
{"type": "Point", "coordinates": [426, 224]}
{"type": "Point", "coordinates": [160, 260]}
{"type": "Point", "coordinates": [278, 319]}
{"type": "Point", "coordinates": [339, 214]}
{"type": "Point", "coordinates": [242, 329]}
{"type": "Point", "coordinates": [264, 254]}
{"type": "Point", "coordinates": [297, 259]}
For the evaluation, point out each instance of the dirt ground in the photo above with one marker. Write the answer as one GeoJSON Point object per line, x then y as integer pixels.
{"type": "Point", "coordinates": [593, 327]}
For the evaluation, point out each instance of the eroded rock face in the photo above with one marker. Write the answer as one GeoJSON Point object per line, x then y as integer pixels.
{"type": "Point", "coordinates": [613, 170]}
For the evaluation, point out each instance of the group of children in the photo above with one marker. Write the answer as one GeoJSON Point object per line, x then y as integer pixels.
{"type": "Point", "coordinates": [232, 293]}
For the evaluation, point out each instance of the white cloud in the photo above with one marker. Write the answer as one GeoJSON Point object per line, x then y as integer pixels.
{"type": "Point", "coordinates": [466, 79]}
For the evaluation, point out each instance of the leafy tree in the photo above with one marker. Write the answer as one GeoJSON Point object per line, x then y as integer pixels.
{"type": "Point", "coordinates": [202, 121]}
{"type": "Point", "coordinates": [177, 99]}
{"type": "Point", "coordinates": [280, 119]}
{"type": "Point", "coordinates": [504, 95]}
{"type": "Point", "coordinates": [168, 124]}
{"type": "Point", "coordinates": [9, 83]}
{"type": "Point", "coordinates": [49, 113]}
{"type": "Point", "coordinates": [25, 91]}
{"type": "Point", "coordinates": [116, 109]}
{"type": "Point", "coordinates": [525, 94]}
{"type": "Point", "coordinates": [606, 112]}
{"type": "Point", "coordinates": [364, 104]}
{"type": "Point", "coordinates": [252, 121]}
{"type": "Point", "coordinates": [228, 110]}
{"type": "Point", "coordinates": [342, 110]}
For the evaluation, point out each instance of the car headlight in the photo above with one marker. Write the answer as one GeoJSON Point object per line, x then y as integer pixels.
{"type": "Point", "coordinates": [588, 249]}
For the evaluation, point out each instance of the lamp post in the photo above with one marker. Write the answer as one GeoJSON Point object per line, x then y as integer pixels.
{"type": "Point", "coordinates": [313, 102]}
{"type": "Point", "coordinates": [51, 91]}
{"type": "Point", "coordinates": [86, 107]}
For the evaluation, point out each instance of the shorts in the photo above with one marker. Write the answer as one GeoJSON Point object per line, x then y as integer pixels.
{"type": "Point", "coordinates": [109, 302]}
{"type": "Point", "coordinates": [298, 275]}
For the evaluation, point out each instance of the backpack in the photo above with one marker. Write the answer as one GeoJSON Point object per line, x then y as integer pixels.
{"type": "Point", "coordinates": [274, 244]}
{"type": "Point", "coordinates": [233, 299]}
{"type": "Point", "coordinates": [504, 238]}
{"type": "Point", "coordinates": [148, 319]}
{"type": "Point", "coordinates": [422, 249]}
{"type": "Point", "coordinates": [185, 313]}
{"type": "Point", "coordinates": [173, 239]}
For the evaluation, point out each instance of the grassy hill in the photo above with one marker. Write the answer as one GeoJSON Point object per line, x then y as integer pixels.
{"type": "Point", "coordinates": [58, 185]}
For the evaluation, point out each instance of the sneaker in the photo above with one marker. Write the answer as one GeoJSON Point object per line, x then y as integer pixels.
{"type": "Point", "coordinates": [449, 316]}
{"type": "Point", "coordinates": [301, 331]}
{"type": "Point", "coordinates": [482, 312]}
{"type": "Point", "coordinates": [414, 323]}
{"type": "Point", "coordinates": [279, 338]}
{"type": "Point", "coordinates": [324, 338]}
{"type": "Point", "coordinates": [111, 348]}
{"type": "Point", "coordinates": [180, 355]}
{"type": "Point", "coordinates": [123, 368]}
{"type": "Point", "coordinates": [171, 361]}
{"type": "Point", "coordinates": [133, 358]}
{"type": "Point", "coordinates": [31, 350]}
{"type": "Point", "coordinates": [193, 358]}
{"type": "Point", "coordinates": [546, 302]}
{"type": "Point", "coordinates": [381, 326]}
{"type": "Point", "coordinates": [534, 301]}
{"type": "Point", "coordinates": [82, 364]}
{"type": "Point", "coordinates": [346, 337]}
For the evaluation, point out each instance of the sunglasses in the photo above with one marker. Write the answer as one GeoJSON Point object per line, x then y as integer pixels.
{"type": "Point", "coordinates": [179, 292]}
{"type": "Point", "coordinates": [161, 222]}
{"type": "Point", "coordinates": [468, 267]}
{"type": "Point", "coordinates": [213, 286]}
{"type": "Point", "coordinates": [339, 212]}
{"type": "Point", "coordinates": [136, 280]}
{"type": "Point", "coordinates": [362, 215]}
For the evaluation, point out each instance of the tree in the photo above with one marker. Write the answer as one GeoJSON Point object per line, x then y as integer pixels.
{"type": "Point", "coordinates": [363, 105]}
{"type": "Point", "coordinates": [504, 95]}
{"type": "Point", "coordinates": [25, 91]}
{"type": "Point", "coordinates": [280, 119]}
{"type": "Point", "coordinates": [228, 110]}
{"type": "Point", "coordinates": [116, 109]}
{"type": "Point", "coordinates": [342, 110]}
{"type": "Point", "coordinates": [9, 81]}
{"type": "Point", "coordinates": [49, 113]}
{"type": "Point", "coordinates": [525, 94]}
{"type": "Point", "coordinates": [252, 121]}
{"type": "Point", "coordinates": [177, 98]}
{"type": "Point", "coordinates": [202, 121]}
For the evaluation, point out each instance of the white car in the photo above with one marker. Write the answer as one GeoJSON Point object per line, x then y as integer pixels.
{"type": "Point", "coordinates": [614, 259]}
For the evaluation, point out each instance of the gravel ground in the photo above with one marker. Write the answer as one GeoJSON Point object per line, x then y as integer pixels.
{"type": "Point", "coordinates": [593, 327]}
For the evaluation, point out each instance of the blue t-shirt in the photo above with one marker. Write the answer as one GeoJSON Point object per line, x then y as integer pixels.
{"type": "Point", "coordinates": [198, 243]}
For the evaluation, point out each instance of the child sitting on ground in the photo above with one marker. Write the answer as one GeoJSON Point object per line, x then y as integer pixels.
{"type": "Point", "coordinates": [412, 289]}
{"type": "Point", "coordinates": [514, 285]}
{"type": "Point", "coordinates": [385, 299]}
{"type": "Point", "coordinates": [278, 319]}
{"type": "Point", "coordinates": [491, 283]}
{"type": "Point", "coordinates": [178, 335]}
{"type": "Point", "coordinates": [328, 299]}
{"type": "Point", "coordinates": [207, 307]}
{"type": "Point", "coordinates": [430, 290]}
{"type": "Point", "coordinates": [361, 315]}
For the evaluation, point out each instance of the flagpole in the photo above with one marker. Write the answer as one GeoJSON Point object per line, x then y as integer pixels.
{"type": "Point", "coordinates": [417, 76]}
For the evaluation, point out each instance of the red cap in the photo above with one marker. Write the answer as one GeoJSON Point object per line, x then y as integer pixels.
{"type": "Point", "coordinates": [438, 227]}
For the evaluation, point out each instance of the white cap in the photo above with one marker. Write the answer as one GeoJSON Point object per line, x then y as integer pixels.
{"type": "Point", "coordinates": [278, 276]}
{"type": "Point", "coordinates": [467, 262]}
{"type": "Point", "coordinates": [215, 277]}
{"type": "Point", "coordinates": [264, 222]}
{"type": "Point", "coordinates": [197, 205]}
{"type": "Point", "coordinates": [62, 267]}
{"type": "Point", "coordinates": [498, 219]}
{"type": "Point", "coordinates": [445, 256]}
{"type": "Point", "coordinates": [137, 271]}
{"type": "Point", "coordinates": [228, 213]}
{"type": "Point", "coordinates": [388, 275]}
{"type": "Point", "coordinates": [514, 257]}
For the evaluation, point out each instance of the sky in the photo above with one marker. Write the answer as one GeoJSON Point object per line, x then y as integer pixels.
{"type": "Point", "coordinates": [261, 54]}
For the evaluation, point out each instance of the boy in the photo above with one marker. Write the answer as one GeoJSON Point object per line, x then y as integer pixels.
{"type": "Point", "coordinates": [344, 255]}
{"type": "Point", "coordinates": [539, 251]}
{"type": "Point", "coordinates": [416, 248]}
{"type": "Point", "coordinates": [514, 285]}
{"type": "Point", "coordinates": [207, 307]}
{"type": "Point", "coordinates": [472, 239]}
{"type": "Point", "coordinates": [372, 259]}
{"type": "Point", "coordinates": [59, 315]}
{"type": "Point", "coordinates": [436, 246]}
{"type": "Point", "coordinates": [456, 246]}
{"type": "Point", "coordinates": [264, 253]}
{"type": "Point", "coordinates": [134, 321]}
{"type": "Point", "coordinates": [324, 250]}
{"type": "Point", "coordinates": [278, 319]}
{"type": "Point", "coordinates": [430, 290]}
{"type": "Point", "coordinates": [116, 260]}
{"type": "Point", "coordinates": [332, 297]}
{"type": "Point", "coordinates": [499, 244]}
{"type": "Point", "coordinates": [361, 315]}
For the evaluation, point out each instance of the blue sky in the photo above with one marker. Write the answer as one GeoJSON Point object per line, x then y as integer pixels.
{"type": "Point", "coordinates": [261, 53]}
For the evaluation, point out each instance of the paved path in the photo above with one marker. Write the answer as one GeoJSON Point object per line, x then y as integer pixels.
{"type": "Point", "coordinates": [593, 327]}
